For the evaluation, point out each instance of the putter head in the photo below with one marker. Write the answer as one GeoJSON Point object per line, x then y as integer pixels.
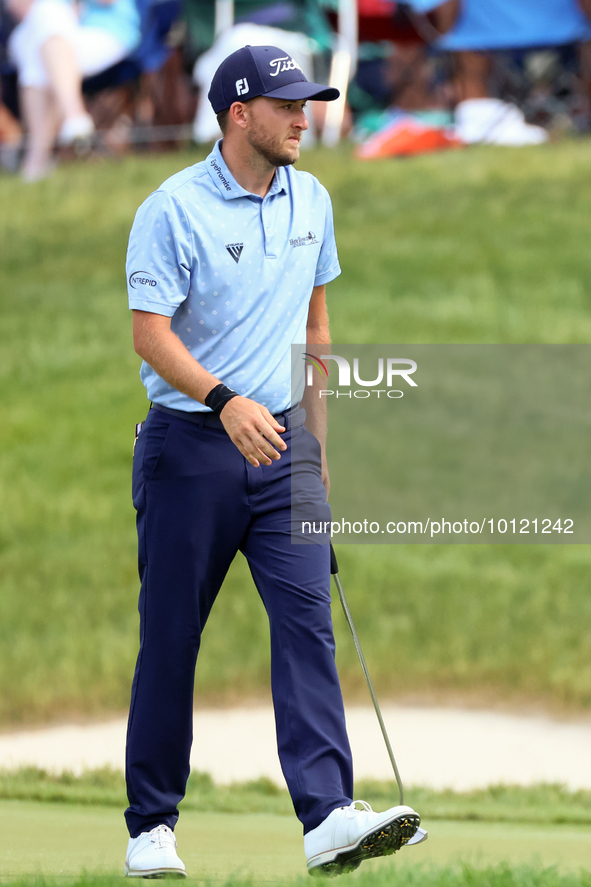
{"type": "Point", "coordinates": [419, 836]}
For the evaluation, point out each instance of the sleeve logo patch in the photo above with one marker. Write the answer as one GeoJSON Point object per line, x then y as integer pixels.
{"type": "Point", "coordinates": [142, 278]}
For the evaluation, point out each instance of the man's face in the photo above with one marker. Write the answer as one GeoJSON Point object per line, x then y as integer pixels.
{"type": "Point", "coordinates": [275, 128]}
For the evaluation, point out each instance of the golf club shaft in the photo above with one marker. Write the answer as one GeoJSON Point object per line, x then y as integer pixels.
{"type": "Point", "coordinates": [334, 569]}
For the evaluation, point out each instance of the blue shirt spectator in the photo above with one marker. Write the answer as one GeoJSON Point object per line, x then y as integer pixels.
{"type": "Point", "coordinates": [121, 18]}
{"type": "Point", "coordinates": [510, 24]}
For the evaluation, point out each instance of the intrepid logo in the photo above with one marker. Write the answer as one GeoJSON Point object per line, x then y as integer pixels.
{"type": "Point", "coordinates": [308, 240]}
{"type": "Point", "coordinates": [395, 366]}
{"type": "Point", "coordinates": [142, 278]}
{"type": "Point", "coordinates": [285, 63]}
{"type": "Point", "coordinates": [235, 250]}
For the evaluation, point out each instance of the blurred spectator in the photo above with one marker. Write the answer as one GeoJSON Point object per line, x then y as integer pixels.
{"type": "Point", "coordinates": [301, 16]}
{"type": "Point", "coordinates": [149, 89]}
{"type": "Point", "coordinates": [53, 47]}
{"type": "Point", "coordinates": [10, 137]}
{"type": "Point", "coordinates": [471, 29]}
{"type": "Point", "coordinates": [10, 131]}
{"type": "Point", "coordinates": [298, 26]}
{"type": "Point", "coordinates": [157, 20]}
{"type": "Point", "coordinates": [394, 68]}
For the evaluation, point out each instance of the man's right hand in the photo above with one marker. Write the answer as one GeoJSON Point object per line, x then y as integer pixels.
{"type": "Point", "coordinates": [252, 428]}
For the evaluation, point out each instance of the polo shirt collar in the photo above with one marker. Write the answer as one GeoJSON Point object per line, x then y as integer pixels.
{"type": "Point", "coordinates": [280, 181]}
{"type": "Point", "coordinates": [227, 184]}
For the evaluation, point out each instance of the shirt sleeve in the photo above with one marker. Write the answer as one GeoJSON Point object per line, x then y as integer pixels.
{"type": "Point", "coordinates": [159, 256]}
{"type": "Point", "coordinates": [328, 261]}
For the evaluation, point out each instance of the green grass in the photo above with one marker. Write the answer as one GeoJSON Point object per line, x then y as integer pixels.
{"type": "Point", "coordinates": [538, 804]}
{"type": "Point", "coordinates": [486, 245]}
{"type": "Point", "coordinates": [59, 841]}
{"type": "Point", "coordinates": [503, 875]}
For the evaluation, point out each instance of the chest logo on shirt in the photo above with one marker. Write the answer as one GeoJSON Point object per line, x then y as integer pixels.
{"type": "Point", "coordinates": [235, 250]}
{"type": "Point", "coordinates": [308, 240]}
{"type": "Point", "coordinates": [142, 278]}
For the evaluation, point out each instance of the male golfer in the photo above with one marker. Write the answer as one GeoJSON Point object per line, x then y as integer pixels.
{"type": "Point", "coordinates": [227, 266]}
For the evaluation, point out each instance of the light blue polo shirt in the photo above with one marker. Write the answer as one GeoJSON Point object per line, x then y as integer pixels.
{"type": "Point", "coordinates": [235, 272]}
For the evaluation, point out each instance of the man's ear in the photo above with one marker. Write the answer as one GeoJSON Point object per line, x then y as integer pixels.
{"type": "Point", "coordinates": [239, 114]}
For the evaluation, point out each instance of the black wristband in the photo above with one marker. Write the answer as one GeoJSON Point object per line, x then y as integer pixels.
{"type": "Point", "coordinates": [218, 397]}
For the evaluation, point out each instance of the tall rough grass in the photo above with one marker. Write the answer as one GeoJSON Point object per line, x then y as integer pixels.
{"type": "Point", "coordinates": [474, 246]}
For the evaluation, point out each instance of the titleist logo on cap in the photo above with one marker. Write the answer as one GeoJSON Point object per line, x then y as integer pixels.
{"type": "Point", "coordinates": [283, 64]}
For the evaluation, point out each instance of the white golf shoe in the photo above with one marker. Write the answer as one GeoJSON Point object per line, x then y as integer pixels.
{"type": "Point", "coordinates": [76, 129]}
{"type": "Point", "coordinates": [153, 855]}
{"type": "Point", "coordinates": [493, 122]}
{"type": "Point", "coordinates": [349, 835]}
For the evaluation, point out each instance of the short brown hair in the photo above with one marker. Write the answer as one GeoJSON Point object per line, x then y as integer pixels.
{"type": "Point", "coordinates": [223, 116]}
{"type": "Point", "coordinates": [222, 119]}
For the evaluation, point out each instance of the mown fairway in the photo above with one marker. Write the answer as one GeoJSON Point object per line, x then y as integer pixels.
{"type": "Point", "coordinates": [55, 827]}
{"type": "Point", "coordinates": [473, 246]}
{"type": "Point", "coordinates": [264, 847]}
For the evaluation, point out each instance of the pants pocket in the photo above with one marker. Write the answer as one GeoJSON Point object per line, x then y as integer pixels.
{"type": "Point", "coordinates": [148, 450]}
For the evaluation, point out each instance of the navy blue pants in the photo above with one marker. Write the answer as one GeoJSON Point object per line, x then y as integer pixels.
{"type": "Point", "coordinates": [198, 503]}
